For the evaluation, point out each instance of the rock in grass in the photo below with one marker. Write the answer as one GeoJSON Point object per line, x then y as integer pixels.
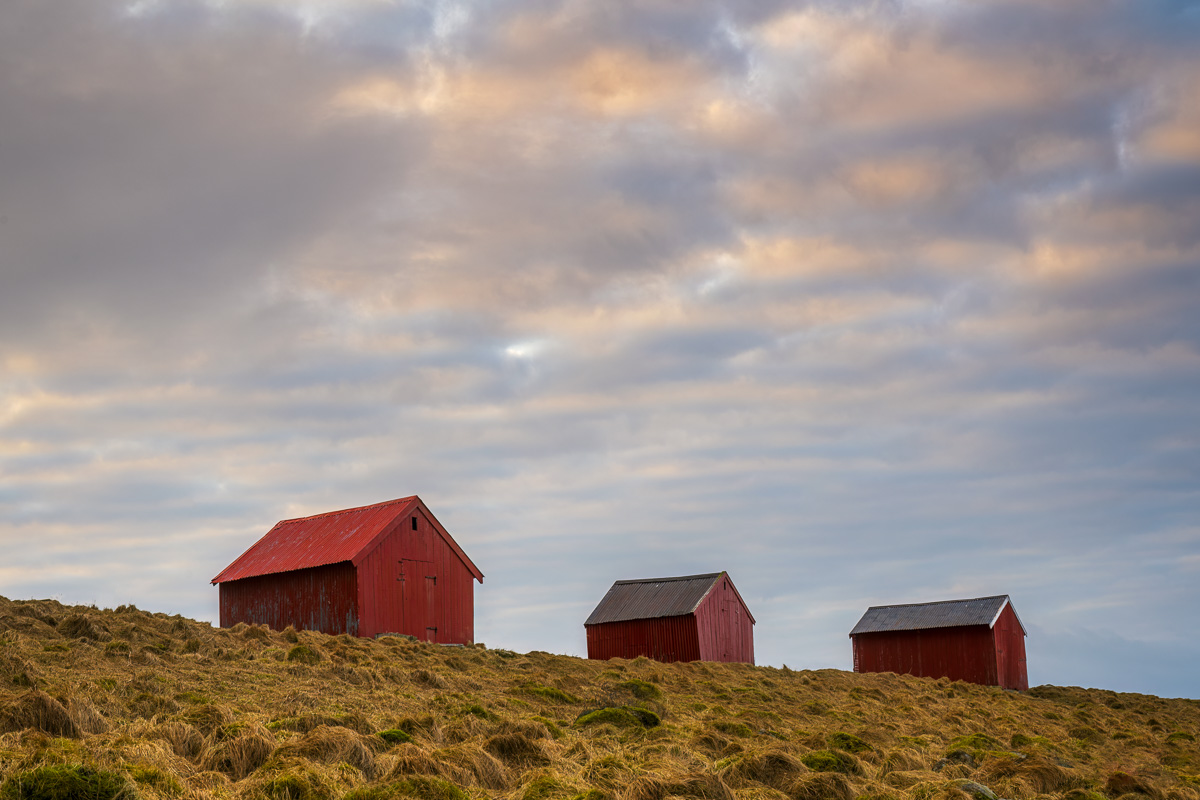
{"type": "Point", "coordinates": [976, 790]}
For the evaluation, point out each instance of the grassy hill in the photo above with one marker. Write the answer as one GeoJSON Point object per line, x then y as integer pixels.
{"type": "Point", "coordinates": [125, 703]}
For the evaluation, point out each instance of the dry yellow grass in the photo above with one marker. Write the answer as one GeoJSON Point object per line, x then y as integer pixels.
{"type": "Point", "coordinates": [125, 703]}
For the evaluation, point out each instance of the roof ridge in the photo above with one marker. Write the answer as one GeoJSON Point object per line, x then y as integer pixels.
{"type": "Point", "coordinates": [348, 510]}
{"type": "Point", "coordinates": [664, 580]}
{"type": "Point", "coordinates": [942, 602]}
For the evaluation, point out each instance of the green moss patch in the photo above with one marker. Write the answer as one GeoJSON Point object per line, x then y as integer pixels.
{"type": "Point", "coordinates": [479, 711]}
{"type": "Point", "coordinates": [621, 716]}
{"type": "Point", "coordinates": [155, 778]}
{"type": "Point", "coordinates": [849, 742]}
{"type": "Point", "coordinates": [976, 741]}
{"type": "Point", "coordinates": [831, 761]}
{"type": "Point", "coordinates": [733, 728]}
{"type": "Point", "coordinates": [395, 736]}
{"type": "Point", "coordinates": [420, 786]}
{"type": "Point", "coordinates": [552, 727]}
{"type": "Point", "coordinates": [642, 690]}
{"type": "Point", "coordinates": [547, 787]}
{"type": "Point", "coordinates": [303, 654]}
{"type": "Point", "coordinates": [67, 782]}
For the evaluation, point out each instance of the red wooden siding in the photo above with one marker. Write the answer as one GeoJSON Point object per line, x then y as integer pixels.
{"type": "Point", "coordinates": [663, 639]}
{"type": "Point", "coordinates": [414, 583]}
{"type": "Point", "coordinates": [959, 653]}
{"type": "Point", "coordinates": [724, 625]}
{"type": "Point", "coordinates": [322, 599]}
{"type": "Point", "coordinates": [1010, 651]}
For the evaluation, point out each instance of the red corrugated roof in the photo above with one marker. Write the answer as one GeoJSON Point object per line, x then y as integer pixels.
{"type": "Point", "coordinates": [329, 538]}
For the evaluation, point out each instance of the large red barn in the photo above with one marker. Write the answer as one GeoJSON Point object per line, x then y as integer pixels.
{"type": "Point", "coordinates": [384, 568]}
{"type": "Point", "coordinates": [691, 618]}
{"type": "Point", "coordinates": [979, 641]}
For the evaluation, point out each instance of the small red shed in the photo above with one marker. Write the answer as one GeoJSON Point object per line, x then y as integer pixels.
{"type": "Point", "coordinates": [692, 618]}
{"type": "Point", "coordinates": [384, 568]}
{"type": "Point", "coordinates": [980, 641]}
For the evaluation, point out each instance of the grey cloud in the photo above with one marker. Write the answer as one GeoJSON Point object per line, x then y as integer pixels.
{"type": "Point", "coordinates": [165, 180]}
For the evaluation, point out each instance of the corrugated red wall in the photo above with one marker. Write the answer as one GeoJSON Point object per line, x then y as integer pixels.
{"type": "Point", "coordinates": [661, 638]}
{"type": "Point", "coordinates": [1010, 651]}
{"type": "Point", "coordinates": [725, 630]}
{"type": "Point", "coordinates": [965, 653]}
{"type": "Point", "coordinates": [320, 599]}
{"type": "Point", "coordinates": [412, 583]}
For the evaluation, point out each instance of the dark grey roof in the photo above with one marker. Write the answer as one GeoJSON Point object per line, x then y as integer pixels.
{"type": "Point", "coordinates": [944, 614]}
{"type": "Point", "coordinates": [653, 597]}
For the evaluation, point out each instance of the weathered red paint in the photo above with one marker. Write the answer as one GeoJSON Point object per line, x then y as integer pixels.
{"type": "Point", "coordinates": [720, 628]}
{"type": "Point", "coordinates": [386, 568]}
{"type": "Point", "coordinates": [992, 656]}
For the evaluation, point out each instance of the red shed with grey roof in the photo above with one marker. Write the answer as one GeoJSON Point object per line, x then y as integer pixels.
{"type": "Point", "coordinates": [980, 640]}
{"type": "Point", "coordinates": [689, 618]}
{"type": "Point", "coordinates": [384, 568]}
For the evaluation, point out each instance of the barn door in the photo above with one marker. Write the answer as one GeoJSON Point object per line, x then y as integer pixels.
{"type": "Point", "coordinates": [731, 629]}
{"type": "Point", "coordinates": [416, 600]}
{"type": "Point", "coordinates": [431, 631]}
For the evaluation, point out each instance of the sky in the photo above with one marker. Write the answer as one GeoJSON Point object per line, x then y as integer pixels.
{"type": "Point", "coordinates": [863, 302]}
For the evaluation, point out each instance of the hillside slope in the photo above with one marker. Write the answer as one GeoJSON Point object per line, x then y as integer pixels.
{"type": "Point", "coordinates": [126, 703]}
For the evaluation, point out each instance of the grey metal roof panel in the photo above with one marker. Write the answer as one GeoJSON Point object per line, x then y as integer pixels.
{"type": "Point", "coordinates": [653, 597]}
{"type": "Point", "coordinates": [942, 614]}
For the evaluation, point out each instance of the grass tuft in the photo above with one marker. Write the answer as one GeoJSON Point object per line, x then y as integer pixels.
{"type": "Point", "coordinates": [38, 710]}
{"type": "Point", "coordinates": [303, 654]}
{"type": "Point", "coordinates": [67, 782]}
{"type": "Point", "coordinates": [640, 689]}
{"type": "Point", "coordinates": [421, 787]}
{"type": "Point", "coordinates": [849, 742]}
{"type": "Point", "coordinates": [831, 761]}
{"type": "Point", "coordinates": [621, 716]}
{"type": "Point", "coordinates": [395, 736]}
{"type": "Point", "coordinates": [548, 693]}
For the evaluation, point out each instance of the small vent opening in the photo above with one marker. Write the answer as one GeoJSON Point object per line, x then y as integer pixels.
{"type": "Point", "coordinates": [414, 521]}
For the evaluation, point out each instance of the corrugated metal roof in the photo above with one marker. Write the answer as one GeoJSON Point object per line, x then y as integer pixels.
{"type": "Point", "coordinates": [653, 597]}
{"type": "Point", "coordinates": [328, 538]}
{"type": "Point", "coordinates": [942, 614]}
